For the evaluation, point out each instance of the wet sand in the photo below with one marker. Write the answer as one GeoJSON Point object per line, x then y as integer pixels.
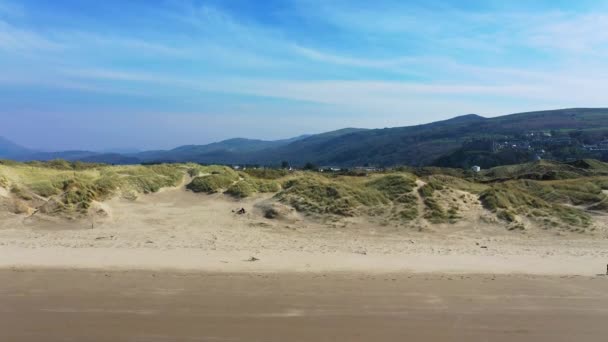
{"type": "Point", "coordinates": [81, 305]}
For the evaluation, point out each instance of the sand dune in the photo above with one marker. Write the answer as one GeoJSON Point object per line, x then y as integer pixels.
{"type": "Point", "coordinates": [178, 229]}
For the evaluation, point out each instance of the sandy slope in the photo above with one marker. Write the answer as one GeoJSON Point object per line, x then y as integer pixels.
{"type": "Point", "coordinates": [178, 229]}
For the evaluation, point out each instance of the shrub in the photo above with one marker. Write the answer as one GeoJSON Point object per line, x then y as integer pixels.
{"type": "Point", "coordinates": [240, 189]}
{"type": "Point", "coordinates": [107, 184]}
{"type": "Point", "coordinates": [506, 215]}
{"type": "Point", "coordinates": [149, 179]}
{"type": "Point", "coordinates": [78, 194]}
{"type": "Point", "coordinates": [318, 195]}
{"type": "Point", "coordinates": [395, 187]}
{"type": "Point", "coordinates": [408, 214]}
{"type": "Point", "coordinates": [193, 172]}
{"type": "Point", "coordinates": [210, 184]}
{"type": "Point", "coordinates": [265, 186]}
{"type": "Point", "coordinates": [429, 188]}
{"type": "Point", "coordinates": [509, 198]}
{"type": "Point", "coordinates": [434, 212]}
{"type": "Point", "coordinates": [267, 173]}
{"type": "Point", "coordinates": [59, 164]}
{"type": "Point", "coordinates": [457, 183]}
{"type": "Point", "coordinates": [44, 188]}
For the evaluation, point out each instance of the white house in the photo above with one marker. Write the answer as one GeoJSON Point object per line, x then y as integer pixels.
{"type": "Point", "coordinates": [476, 168]}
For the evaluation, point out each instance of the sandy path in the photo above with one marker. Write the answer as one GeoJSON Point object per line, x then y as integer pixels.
{"type": "Point", "coordinates": [144, 306]}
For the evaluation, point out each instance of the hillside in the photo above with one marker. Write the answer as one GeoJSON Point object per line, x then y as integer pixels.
{"type": "Point", "coordinates": [442, 143]}
{"type": "Point", "coordinates": [425, 144]}
{"type": "Point", "coordinates": [223, 152]}
{"type": "Point", "coordinates": [460, 142]}
{"type": "Point", "coordinates": [8, 149]}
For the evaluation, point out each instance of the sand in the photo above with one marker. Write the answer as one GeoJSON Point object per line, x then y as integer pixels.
{"type": "Point", "coordinates": [177, 229]}
{"type": "Point", "coordinates": [177, 266]}
{"type": "Point", "coordinates": [68, 305]}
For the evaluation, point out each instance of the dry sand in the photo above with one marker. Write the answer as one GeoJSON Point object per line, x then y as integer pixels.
{"type": "Point", "coordinates": [176, 229]}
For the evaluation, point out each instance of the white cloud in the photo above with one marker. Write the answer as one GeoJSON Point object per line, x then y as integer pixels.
{"type": "Point", "coordinates": [352, 61]}
{"type": "Point", "coordinates": [583, 34]}
{"type": "Point", "coordinates": [18, 40]}
{"type": "Point", "coordinates": [215, 40]}
{"type": "Point", "coordinates": [389, 96]}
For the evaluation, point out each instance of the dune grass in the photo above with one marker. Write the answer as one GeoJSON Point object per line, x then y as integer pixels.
{"type": "Point", "coordinates": [560, 196]}
{"type": "Point", "coordinates": [74, 186]}
{"type": "Point", "coordinates": [311, 193]}
{"type": "Point", "coordinates": [212, 183]}
{"type": "Point", "coordinates": [347, 196]}
{"type": "Point", "coordinates": [241, 189]}
{"type": "Point", "coordinates": [395, 187]}
{"type": "Point", "coordinates": [511, 199]}
{"type": "Point", "coordinates": [266, 173]}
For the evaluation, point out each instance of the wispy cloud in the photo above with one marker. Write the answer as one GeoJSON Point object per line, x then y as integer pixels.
{"type": "Point", "coordinates": [20, 40]}
{"type": "Point", "coordinates": [581, 34]}
{"type": "Point", "coordinates": [352, 61]}
{"type": "Point", "coordinates": [340, 58]}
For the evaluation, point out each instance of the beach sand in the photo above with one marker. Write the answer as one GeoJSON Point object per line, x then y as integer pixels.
{"type": "Point", "coordinates": [176, 229]}
{"type": "Point", "coordinates": [79, 305]}
{"type": "Point", "coordinates": [176, 266]}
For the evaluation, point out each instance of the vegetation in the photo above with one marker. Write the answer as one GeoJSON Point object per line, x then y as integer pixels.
{"type": "Point", "coordinates": [265, 186]}
{"type": "Point", "coordinates": [513, 199]}
{"type": "Point", "coordinates": [548, 194]}
{"type": "Point", "coordinates": [395, 187]}
{"type": "Point", "coordinates": [266, 173]}
{"type": "Point", "coordinates": [74, 186]}
{"type": "Point", "coordinates": [239, 185]}
{"type": "Point", "coordinates": [240, 189]}
{"type": "Point", "coordinates": [435, 213]}
{"type": "Point", "coordinates": [428, 189]}
{"type": "Point", "coordinates": [45, 188]}
{"type": "Point", "coordinates": [3, 182]}
{"type": "Point", "coordinates": [460, 142]}
{"type": "Point", "coordinates": [211, 183]}
{"type": "Point", "coordinates": [316, 194]}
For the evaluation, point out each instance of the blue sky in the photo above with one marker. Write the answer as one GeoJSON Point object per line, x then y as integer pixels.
{"type": "Point", "coordinates": [157, 74]}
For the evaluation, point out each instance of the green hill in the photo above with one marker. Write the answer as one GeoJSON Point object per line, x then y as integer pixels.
{"type": "Point", "coordinates": [460, 142]}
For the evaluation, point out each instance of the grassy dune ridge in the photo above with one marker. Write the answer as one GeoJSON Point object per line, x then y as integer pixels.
{"type": "Point", "coordinates": [543, 194]}
{"type": "Point", "coordinates": [72, 187]}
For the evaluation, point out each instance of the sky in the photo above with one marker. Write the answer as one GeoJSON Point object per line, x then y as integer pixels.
{"type": "Point", "coordinates": [146, 74]}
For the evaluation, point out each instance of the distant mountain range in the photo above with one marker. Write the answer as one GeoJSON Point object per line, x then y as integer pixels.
{"type": "Point", "coordinates": [457, 142]}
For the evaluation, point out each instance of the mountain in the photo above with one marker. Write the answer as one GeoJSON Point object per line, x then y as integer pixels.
{"type": "Point", "coordinates": [9, 149]}
{"type": "Point", "coordinates": [413, 145]}
{"type": "Point", "coordinates": [426, 144]}
{"type": "Point", "coordinates": [46, 156]}
{"type": "Point", "coordinates": [223, 152]}
{"type": "Point", "coordinates": [462, 141]}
